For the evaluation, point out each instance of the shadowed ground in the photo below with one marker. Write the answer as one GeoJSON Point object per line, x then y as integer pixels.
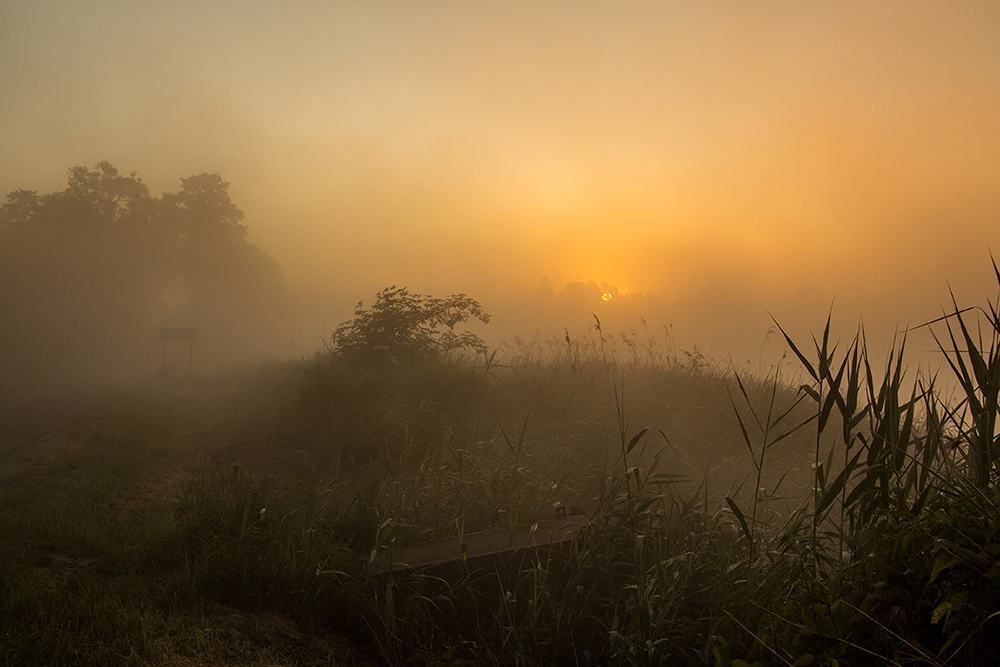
{"type": "Point", "coordinates": [33, 422]}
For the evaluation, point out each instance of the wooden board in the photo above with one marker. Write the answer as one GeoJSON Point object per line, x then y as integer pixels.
{"type": "Point", "coordinates": [485, 549]}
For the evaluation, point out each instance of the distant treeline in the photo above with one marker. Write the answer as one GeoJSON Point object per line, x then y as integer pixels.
{"type": "Point", "coordinates": [89, 275]}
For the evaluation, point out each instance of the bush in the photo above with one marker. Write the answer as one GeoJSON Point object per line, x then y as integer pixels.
{"type": "Point", "coordinates": [405, 326]}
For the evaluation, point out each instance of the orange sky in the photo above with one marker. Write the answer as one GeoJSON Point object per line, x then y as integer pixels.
{"type": "Point", "coordinates": [735, 159]}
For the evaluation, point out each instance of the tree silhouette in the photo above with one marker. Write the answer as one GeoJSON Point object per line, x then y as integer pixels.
{"type": "Point", "coordinates": [202, 209]}
{"type": "Point", "coordinates": [88, 273]}
{"type": "Point", "coordinates": [405, 326]}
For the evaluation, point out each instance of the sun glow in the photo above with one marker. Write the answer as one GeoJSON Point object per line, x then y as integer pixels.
{"type": "Point", "coordinates": [607, 296]}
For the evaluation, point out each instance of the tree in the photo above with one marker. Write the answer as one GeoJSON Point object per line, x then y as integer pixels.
{"type": "Point", "coordinates": [80, 273]}
{"type": "Point", "coordinates": [224, 279]}
{"type": "Point", "coordinates": [202, 209]}
{"type": "Point", "coordinates": [89, 273]}
{"type": "Point", "coordinates": [409, 326]}
{"type": "Point", "coordinates": [223, 284]}
{"type": "Point", "coordinates": [107, 195]}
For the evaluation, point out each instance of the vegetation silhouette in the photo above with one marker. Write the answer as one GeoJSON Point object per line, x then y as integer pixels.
{"type": "Point", "coordinates": [849, 519]}
{"type": "Point", "coordinates": [405, 326]}
{"type": "Point", "coordinates": [859, 526]}
{"type": "Point", "coordinates": [88, 274]}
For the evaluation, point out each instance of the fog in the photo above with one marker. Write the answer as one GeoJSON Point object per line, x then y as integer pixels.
{"type": "Point", "coordinates": [709, 166]}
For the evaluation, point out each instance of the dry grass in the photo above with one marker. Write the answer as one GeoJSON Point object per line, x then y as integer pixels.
{"type": "Point", "coordinates": [732, 519]}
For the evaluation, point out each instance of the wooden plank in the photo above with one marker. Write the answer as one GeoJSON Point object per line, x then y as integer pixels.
{"type": "Point", "coordinates": [484, 549]}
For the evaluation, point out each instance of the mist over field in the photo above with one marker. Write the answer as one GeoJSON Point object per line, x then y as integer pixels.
{"type": "Point", "coordinates": [501, 333]}
{"type": "Point", "coordinates": [714, 166]}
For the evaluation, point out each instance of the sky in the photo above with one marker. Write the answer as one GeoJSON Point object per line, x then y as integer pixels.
{"type": "Point", "coordinates": [725, 163]}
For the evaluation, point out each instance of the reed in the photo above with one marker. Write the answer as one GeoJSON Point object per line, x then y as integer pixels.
{"type": "Point", "coordinates": [732, 518]}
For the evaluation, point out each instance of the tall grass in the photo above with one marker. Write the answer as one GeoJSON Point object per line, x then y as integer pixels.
{"type": "Point", "coordinates": [890, 558]}
{"type": "Point", "coordinates": [893, 558]}
{"type": "Point", "coordinates": [648, 581]}
{"type": "Point", "coordinates": [733, 517]}
{"type": "Point", "coordinates": [114, 552]}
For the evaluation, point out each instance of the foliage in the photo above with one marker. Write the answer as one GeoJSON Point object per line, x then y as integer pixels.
{"type": "Point", "coordinates": [250, 546]}
{"type": "Point", "coordinates": [893, 557]}
{"type": "Point", "coordinates": [887, 554]}
{"type": "Point", "coordinates": [88, 273]}
{"type": "Point", "coordinates": [409, 326]}
{"type": "Point", "coordinates": [202, 208]}
{"type": "Point", "coordinates": [355, 414]}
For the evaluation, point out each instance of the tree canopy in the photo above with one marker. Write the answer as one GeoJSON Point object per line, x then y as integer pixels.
{"type": "Point", "coordinates": [88, 273]}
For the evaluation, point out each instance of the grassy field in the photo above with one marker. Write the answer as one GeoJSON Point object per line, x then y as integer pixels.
{"type": "Point", "coordinates": [732, 518]}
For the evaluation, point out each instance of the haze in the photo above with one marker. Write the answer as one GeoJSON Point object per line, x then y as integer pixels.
{"type": "Point", "coordinates": [723, 163]}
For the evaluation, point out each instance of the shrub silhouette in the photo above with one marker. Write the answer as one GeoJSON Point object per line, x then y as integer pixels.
{"type": "Point", "coordinates": [403, 326]}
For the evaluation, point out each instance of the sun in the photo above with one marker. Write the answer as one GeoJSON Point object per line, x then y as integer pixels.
{"type": "Point", "coordinates": [609, 292]}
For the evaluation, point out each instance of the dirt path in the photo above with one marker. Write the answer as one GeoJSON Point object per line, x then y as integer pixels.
{"type": "Point", "coordinates": [37, 422]}
{"type": "Point", "coordinates": [34, 424]}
